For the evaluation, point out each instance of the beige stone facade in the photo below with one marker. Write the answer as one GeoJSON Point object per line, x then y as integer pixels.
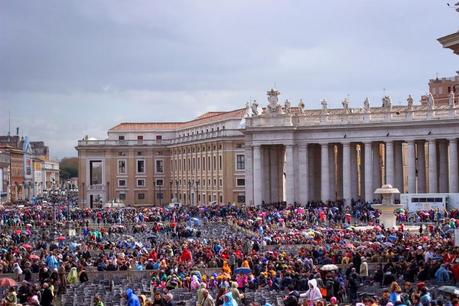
{"type": "Point", "coordinates": [142, 164]}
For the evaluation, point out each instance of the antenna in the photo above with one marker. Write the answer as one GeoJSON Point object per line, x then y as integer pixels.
{"type": "Point", "coordinates": [9, 123]}
{"type": "Point", "coordinates": [384, 91]}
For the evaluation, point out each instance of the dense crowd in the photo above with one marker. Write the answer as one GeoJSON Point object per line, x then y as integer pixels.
{"type": "Point", "coordinates": [313, 254]}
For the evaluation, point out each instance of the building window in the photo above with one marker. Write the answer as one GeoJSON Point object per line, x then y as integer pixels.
{"type": "Point", "coordinates": [121, 183]}
{"type": "Point", "coordinates": [95, 172]}
{"type": "Point", "coordinates": [220, 182]}
{"type": "Point", "coordinates": [220, 199]}
{"type": "Point", "coordinates": [121, 137]}
{"type": "Point", "coordinates": [240, 182]}
{"type": "Point", "coordinates": [159, 182]}
{"type": "Point", "coordinates": [140, 183]}
{"type": "Point", "coordinates": [220, 162]}
{"type": "Point", "coordinates": [240, 162]}
{"type": "Point", "coordinates": [159, 195]}
{"type": "Point", "coordinates": [122, 166]}
{"type": "Point", "coordinates": [203, 163]}
{"type": "Point", "coordinates": [241, 198]}
{"type": "Point", "coordinates": [122, 196]}
{"type": "Point", "coordinates": [159, 137]}
{"type": "Point", "coordinates": [214, 163]}
{"type": "Point", "coordinates": [141, 196]}
{"type": "Point", "coordinates": [208, 183]}
{"type": "Point", "coordinates": [215, 183]}
{"type": "Point", "coordinates": [139, 137]}
{"type": "Point", "coordinates": [210, 198]}
{"type": "Point", "coordinates": [140, 166]}
{"type": "Point", "coordinates": [159, 166]}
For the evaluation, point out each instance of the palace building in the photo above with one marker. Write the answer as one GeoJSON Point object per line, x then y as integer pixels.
{"type": "Point", "coordinates": [199, 161]}
{"type": "Point", "coordinates": [276, 153]}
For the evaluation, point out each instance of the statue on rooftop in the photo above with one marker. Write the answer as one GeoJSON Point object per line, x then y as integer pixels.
{"type": "Point", "coordinates": [451, 99]}
{"type": "Point", "coordinates": [254, 107]}
{"type": "Point", "coordinates": [430, 102]}
{"type": "Point", "coordinates": [346, 105]}
{"type": "Point", "coordinates": [287, 106]}
{"type": "Point", "coordinates": [324, 106]}
{"type": "Point", "coordinates": [273, 100]}
{"type": "Point", "coordinates": [386, 102]}
{"type": "Point", "coordinates": [366, 105]}
{"type": "Point", "coordinates": [409, 101]}
{"type": "Point", "coordinates": [301, 106]}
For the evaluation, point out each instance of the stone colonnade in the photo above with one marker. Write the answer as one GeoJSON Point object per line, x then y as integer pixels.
{"type": "Point", "coordinates": [349, 170]}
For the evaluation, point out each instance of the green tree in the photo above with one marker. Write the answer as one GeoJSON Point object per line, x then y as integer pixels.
{"type": "Point", "coordinates": [68, 167]}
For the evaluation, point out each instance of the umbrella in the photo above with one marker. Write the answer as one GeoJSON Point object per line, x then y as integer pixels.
{"type": "Point", "coordinates": [61, 238]}
{"type": "Point", "coordinates": [329, 268]}
{"type": "Point", "coordinates": [26, 246]}
{"type": "Point", "coordinates": [450, 289]}
{"type": "Point", "coordinates": [7, 282]}
{"type": "Point", "coordinates": [34, 257]}
{"type": "Point", "coordinates": [242, 271]}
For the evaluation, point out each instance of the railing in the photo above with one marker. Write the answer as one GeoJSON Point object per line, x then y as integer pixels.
{"type": "Point", "coordinates": [356, 116]}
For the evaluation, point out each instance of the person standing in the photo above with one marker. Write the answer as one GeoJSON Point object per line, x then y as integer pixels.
{"type": "Point", "coordinates": [98, 301]}
{"type": "Point", "coordinates": [47, 296]}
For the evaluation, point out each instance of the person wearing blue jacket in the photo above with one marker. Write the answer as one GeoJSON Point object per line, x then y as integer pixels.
{"type": "Point", "coordinates": [132, 299]}
{"type": "Point", "coordinates": [442, 274]}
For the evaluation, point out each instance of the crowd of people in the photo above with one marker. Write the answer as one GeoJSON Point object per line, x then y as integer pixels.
{"type": "Point", "coordinates": [314, 254]}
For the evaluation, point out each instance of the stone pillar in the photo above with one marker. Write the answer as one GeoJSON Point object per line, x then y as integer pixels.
{"type": "Point", "coordinates": [443, 173]}
{"type": "Point", "coordinates": [248, 175]}
{"type": "Point", "coordinates": [257, 186]}
{"type": "Point", "coordinates": [368, 172]}
{"type": "Point", "coordinates": [376, 166]}
{"type": "Point", "coordinates": [354, 172]}
{"type": "Point", "coordinates": [347, 193]}
{"type": "Point", "coordinates": [453, 171]}
{"type": "Point", "coordinates": [421, 167]}
{"type": "Point", "coordinates": [389, 163]}
{"type": "Point", "coordinates": [303, 178]}
{"type": "Point", "coordinates": [324, 175]}
{"type": "Point", "coordinates": [290, 175]}
{"type": "Point", "coordinates": [411, 155]}
{"type": "Point", "coordinates": [331, 172]}
{"type": "Point", "coordinates": [432, 166]}
{"type": "Point", "coordinates": [398, 165]}
{"type": "Point", "coordinates": [274, 177]}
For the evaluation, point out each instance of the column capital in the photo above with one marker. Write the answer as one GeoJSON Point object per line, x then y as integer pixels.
{"type": "Point", "coordinates": [346, 143]}
{"type": "Point", "coordinates": [432, 140]}
{"type": "Point", "coordinates": [452, 139]}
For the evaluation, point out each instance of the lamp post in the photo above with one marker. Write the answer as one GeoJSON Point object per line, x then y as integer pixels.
{"type": "Point", "coordinates": [197, 193]}
{"type": "Point", "coordinates": [160, 195]}
{"type": "Point", "coordinates": [189, 191]}
{"type": "Point", "coordinates": [170, 190]}
{"type": "Point", "coordinates": [176, 190]}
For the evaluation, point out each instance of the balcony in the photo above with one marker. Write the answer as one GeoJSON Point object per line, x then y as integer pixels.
{"type": "Point", "coordinates": [96, 188]}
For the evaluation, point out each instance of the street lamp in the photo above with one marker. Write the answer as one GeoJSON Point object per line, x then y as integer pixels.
{"type": "Point", "coordinates": [176, 190]}
{"type": "Point", "coordinates": [197, 192]}
{"type": "Point", "coordinates": [189, 191]}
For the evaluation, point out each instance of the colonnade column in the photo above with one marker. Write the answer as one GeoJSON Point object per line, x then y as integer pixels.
{"type": "Point", "coordinates": [324, 175]}
{"type": "Point", "coordinates": [453, 171]}
{"type": "Point", "coordinates": [389, 163]}
{"type": "Point", "coordinates": [432, 166]}
{"type": "Point", "coordinates": [347, 173]}
{"type": "Point", "coordinates": [303, 177]}
{"type": "Point", "coordinates": [257, 190]}
{"type": "Point", "coordinates": [411, 167]}
{"type": "Point", "coordinates": [354, 173]}
{"type": "Point", "coordinates": [290, 175]}
{"type": "Point", "coordinates": [248, 175]}
{"type": "Point", "coordinates": [421, 166]}
{"type": "Point", "coordinates": [443, 166]}
{"type": "Point", "coordinates": [398, 164]}
{"type": "Point", "coordinates": [368, 172]}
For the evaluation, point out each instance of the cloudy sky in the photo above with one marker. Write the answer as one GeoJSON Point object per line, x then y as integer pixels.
{"type": "Point", "coordinates": [75, 68]}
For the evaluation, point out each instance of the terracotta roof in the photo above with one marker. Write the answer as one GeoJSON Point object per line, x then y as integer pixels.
{"type": "Point", "coordinates": [206, 118]}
